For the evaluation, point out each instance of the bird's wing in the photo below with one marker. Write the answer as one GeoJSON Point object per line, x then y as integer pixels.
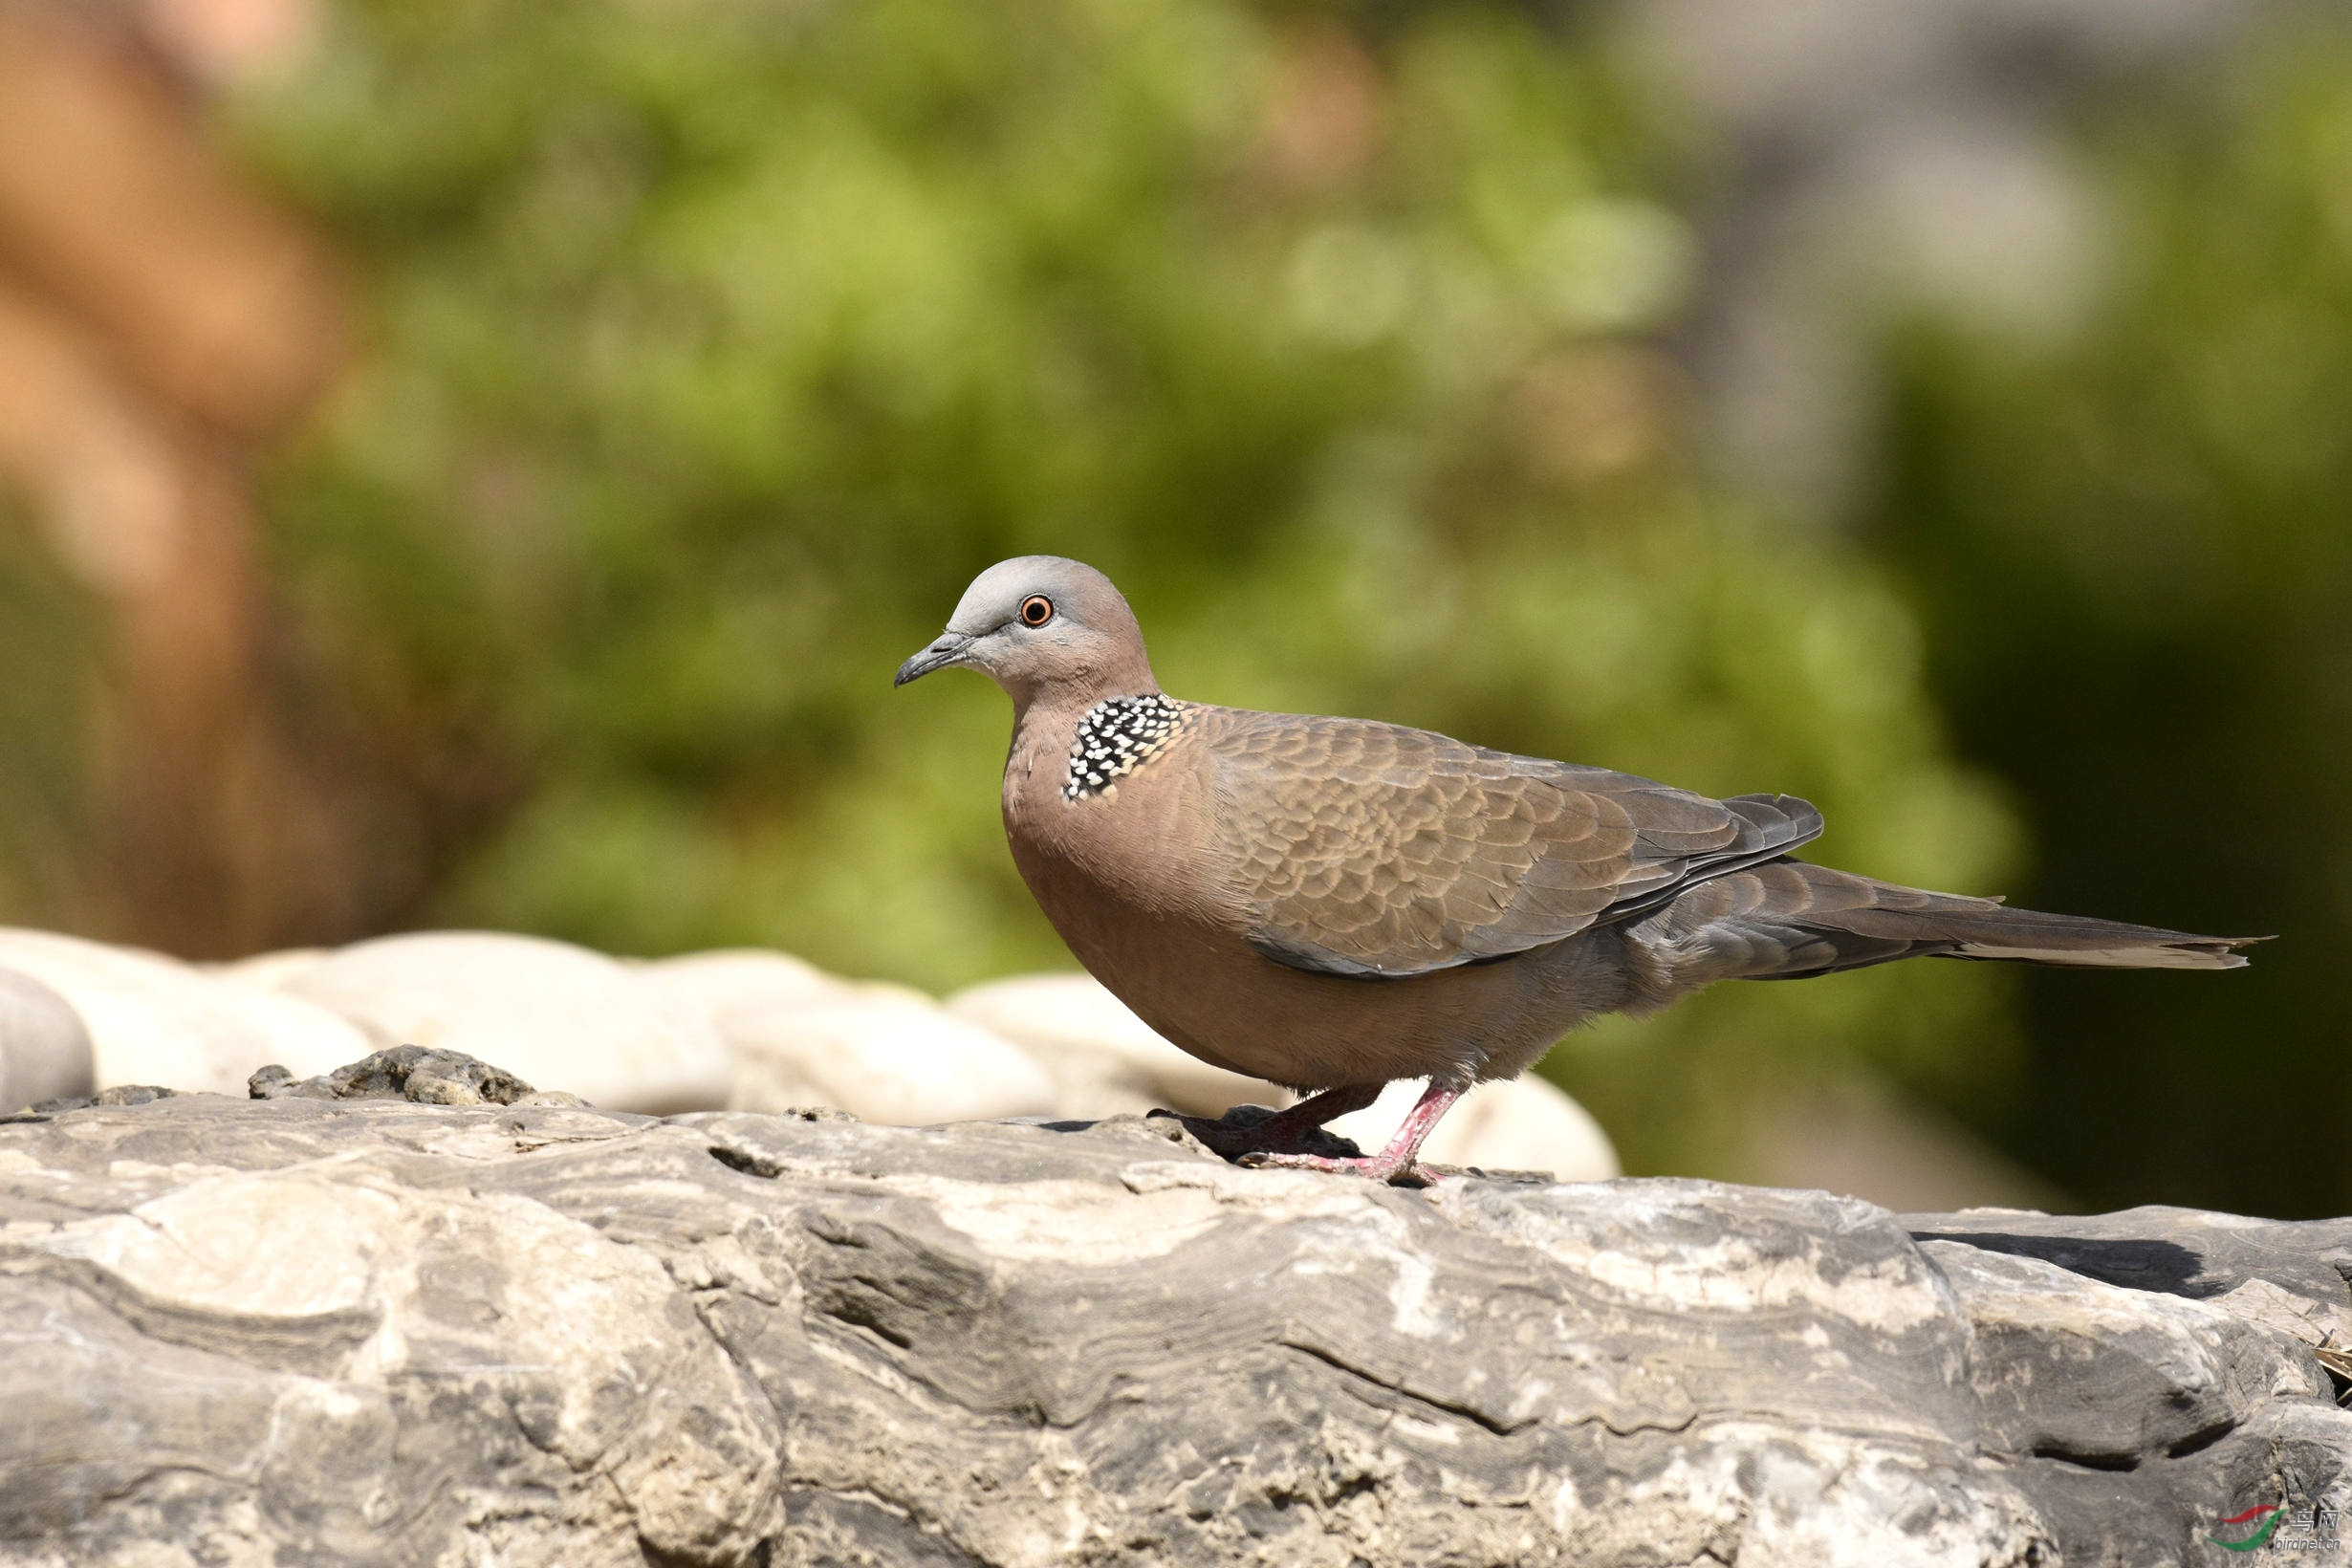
{"type": "Point", "coordinates": [1374, 850]}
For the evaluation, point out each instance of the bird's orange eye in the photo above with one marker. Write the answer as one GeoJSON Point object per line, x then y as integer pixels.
{"type": "Point", "coordinates": [1036, 610]}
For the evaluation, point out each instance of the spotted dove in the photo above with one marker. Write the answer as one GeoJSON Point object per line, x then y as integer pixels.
{"type": "Point", "coordinates": [1334, 903]}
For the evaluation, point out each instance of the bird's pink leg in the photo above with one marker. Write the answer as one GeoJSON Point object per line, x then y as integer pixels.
{"type": "Point", "coordinates": [1397, 1161]}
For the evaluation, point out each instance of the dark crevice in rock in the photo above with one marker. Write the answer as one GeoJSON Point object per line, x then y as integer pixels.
{"type": "Point", "coordinates": [1493, 1423]}
{"type": "Point", "coordinates": [2173, 1252]}
{"type": "Point", "coordinates": [2140, 1265]}
{"type": "Point", "coordinates": [746, 1162]}
{"type": "Point", "coordinates": [857, 1312]}
{"type": "Point", "coordinates": [2081, 1460]}
{"type": "Point", "coordinates": [1636, 1428]}
{"type": "Point", "coordinates": [761, 1555]}
{"type": "Point", "coordinates": [2202, 1439]}
{"type": "Point", "coordinates": [2337, 1363]}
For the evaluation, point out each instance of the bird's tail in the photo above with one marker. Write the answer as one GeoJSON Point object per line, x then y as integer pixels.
{"type": "Point", "coordinates": [1786, 919]}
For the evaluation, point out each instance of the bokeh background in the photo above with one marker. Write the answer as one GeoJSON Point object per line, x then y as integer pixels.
{"type": "Point", "coordinates": [478, 461]}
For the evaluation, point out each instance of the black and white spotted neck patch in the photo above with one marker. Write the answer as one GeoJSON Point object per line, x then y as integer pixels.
{"type": "Point", "coordinates": [1118, 735]}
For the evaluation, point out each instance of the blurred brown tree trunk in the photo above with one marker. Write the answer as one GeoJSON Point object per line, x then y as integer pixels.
{"type": "Point", "coordinates": [159, 321]}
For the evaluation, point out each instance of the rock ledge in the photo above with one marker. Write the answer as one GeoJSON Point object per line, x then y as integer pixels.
{"type": "Point", "coordinates": [376, 1331]}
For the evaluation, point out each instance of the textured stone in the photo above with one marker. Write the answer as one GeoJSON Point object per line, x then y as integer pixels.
{"type": "Point", "coordinates": [153, 1020]}
{"type": "Point", "coordinates": [410, 1073]}
{"type": "Point", "coordinates": [550, 1011]}
{"type": "Point", "coordinates": [44, 1049]}
{"type": "Point", "coordinates": [2181, 1252]}
{"type": "Point", "coordinates": [367, 1331]}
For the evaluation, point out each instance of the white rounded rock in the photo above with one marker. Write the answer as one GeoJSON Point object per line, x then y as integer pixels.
{"type": "Point", "coordinates": [269, 971]}
{"type": "Point", "coordinates": [44, 1049]}
{"type": "Point", "coordinates": [740, 986]}
{"type": "Point", "coordinates": [1064, 1016]}
{"type": "Point", "coordinates": [153, 1019]}
{"type": "Point", "coordinates": [1522, 1124]}
{"type": "Point", "coordinates": [750, 995]}
{"type": "Point", "coordinates": [556, 1015]}
{"type": "Point", "coordinates": [886, 1054]}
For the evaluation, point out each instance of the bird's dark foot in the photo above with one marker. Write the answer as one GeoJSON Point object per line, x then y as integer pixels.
{"type": "Point", "coordinates": [1397, 1164]}
{"type": "Point", "coordinates": [1385, 1166]}
{"type": "Point", "coordinates": [1253, 1129]}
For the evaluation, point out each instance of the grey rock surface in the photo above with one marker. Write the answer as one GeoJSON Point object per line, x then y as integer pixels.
{"type": "Point", "coordinates": [409, 1073]}
{"type": "Point", "coordinates": [374, 1331]}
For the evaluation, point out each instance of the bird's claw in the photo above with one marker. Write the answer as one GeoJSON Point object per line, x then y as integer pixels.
{"type": "Point", "coordinates": [1372, 1166]}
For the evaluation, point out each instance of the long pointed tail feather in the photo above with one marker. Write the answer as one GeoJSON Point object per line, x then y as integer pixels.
{"type": "Point", "coordinates": [1788, 919]}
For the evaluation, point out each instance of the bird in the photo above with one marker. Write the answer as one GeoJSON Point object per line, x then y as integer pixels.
{"type": "Point", "coordinates": [1334, 903]}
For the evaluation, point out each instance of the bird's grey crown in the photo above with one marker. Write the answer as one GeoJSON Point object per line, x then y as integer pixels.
{"type": "Point", "coordinates": [1116, 736]}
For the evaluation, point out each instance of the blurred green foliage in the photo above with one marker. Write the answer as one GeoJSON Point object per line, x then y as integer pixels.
{"type": "Point", "coordinates": [712, 345]}
{"type": "Point", "coordinates": [717, 343]}
{"type": "Point", "coordinates": [47, 650]}
{"type": "Point", "coordinates": [2135, 551]}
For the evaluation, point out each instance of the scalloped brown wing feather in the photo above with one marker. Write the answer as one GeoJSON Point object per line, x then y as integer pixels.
{"type": "Point", "coordinates": [1374, 850]}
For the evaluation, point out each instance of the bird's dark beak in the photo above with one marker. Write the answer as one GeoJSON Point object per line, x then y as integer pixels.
{"type": "Point", "coordinates": [948, 649]}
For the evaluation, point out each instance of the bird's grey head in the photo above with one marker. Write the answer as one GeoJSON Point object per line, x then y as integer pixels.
{"type": "Point", "coordinates": [1040, 624]}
